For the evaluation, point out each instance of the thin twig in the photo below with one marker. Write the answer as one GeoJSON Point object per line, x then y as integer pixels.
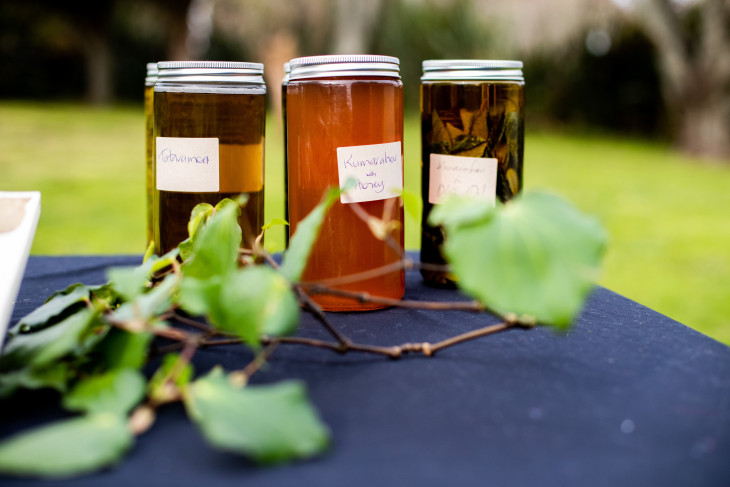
{"type": "Point", "coordinates": [190, 322]}
{"type": "Point", "coordinates": [426, 348]}
{"type": "Point", "coordinates": [259, 361]}
{"type": "Point", "coordinates": [471, 335]}
{"type": "Point", "coordinates": [362, 297]}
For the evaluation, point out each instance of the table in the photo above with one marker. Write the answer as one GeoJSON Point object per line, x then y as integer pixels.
{"type": "Point", "coordinates": [627, 397]}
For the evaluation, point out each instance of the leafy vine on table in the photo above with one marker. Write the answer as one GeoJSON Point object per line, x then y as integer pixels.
{"type": "Point", "coordinates": [531, 261]}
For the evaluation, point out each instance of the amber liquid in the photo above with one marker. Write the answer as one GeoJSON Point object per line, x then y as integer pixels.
{"type": "Point", "coordinates": [238, 121]}
{"type": "Point", "coordinates": [286, 165]}
{"type": "Point", "coordinates": [323, 115]}
{"type": "Point", "coordinates": [149, 93]}
{"type": "Point", "coordinates": [500, 108]}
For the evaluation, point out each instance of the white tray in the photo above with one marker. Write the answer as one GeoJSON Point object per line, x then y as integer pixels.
{"type": "Point", "coordinates": [15, 246]}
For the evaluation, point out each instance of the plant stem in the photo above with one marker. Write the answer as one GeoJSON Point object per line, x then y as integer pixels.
{"type": "Point", "coordinates": [259, 360]}
{"type": "Point", "coordinates": [396, 351]}
{"type": "Point", "coordinates": [431, 305]}
{"type": "Point", "coordinates": [470, 335]}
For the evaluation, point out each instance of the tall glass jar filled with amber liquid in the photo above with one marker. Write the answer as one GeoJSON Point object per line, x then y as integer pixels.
{"type": "Point", "coordinates": [209, 144]}
{"type": "Point", "coordinates": [149, 93]}
{"type": "Point", "coordinates": [284, 82]}
{"type": "Point", "coordinates": [345, 129]}
{"type": "Point", "coordinates": [472, 133]}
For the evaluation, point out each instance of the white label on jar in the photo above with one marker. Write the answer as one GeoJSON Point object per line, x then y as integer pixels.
{"type": "Point", "coordinates": [377, 171]}
{"type": "Point", "coordinates": [464, 176]}
{"type": "Point", "coordinates": [187, 164]}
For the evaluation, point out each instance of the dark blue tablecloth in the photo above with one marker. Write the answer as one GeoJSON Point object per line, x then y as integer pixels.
{"type": "Point", "coordinates": [627, 397]}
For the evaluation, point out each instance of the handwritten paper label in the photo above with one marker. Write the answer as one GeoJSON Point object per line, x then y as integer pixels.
{"type": "Point", "coordinates": [465, 176]}
{"type": "Point", "coordinates": [377, 170]}
{"type": "Point", "coordinates": [187, 164]}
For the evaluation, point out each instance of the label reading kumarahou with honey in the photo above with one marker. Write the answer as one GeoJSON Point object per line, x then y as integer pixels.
{"type": "Point", "coordinates": [187, 164]}
{"type": "Point", "coordinates": [464, 176]}
{"type": "Point", "coordinates": [376, 169]}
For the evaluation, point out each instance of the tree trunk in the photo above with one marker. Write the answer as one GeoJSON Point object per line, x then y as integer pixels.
{"type": "Point", "coordinates": [704, 127]}
{"type": "Point", "coordinates": [355, 24]}
{"type": "Point", "coordinates": [695, 72]}
{"type": "Point", "coordinates": [99, 83]}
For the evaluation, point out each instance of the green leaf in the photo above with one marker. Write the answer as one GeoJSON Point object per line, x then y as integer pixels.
{"type": "Point", "coordinates": [300, 245]}
{"type": "Point", "coordinates": [122, 349]}
{"type": "Point", "coordinates": [536, 257]}
{"type": "Point", "coordinates": [270, 424]}
{"type": "Point", "coordinates": [215, 250]}
{"type": "Point", "coordinates": [249, 302]}
{"type": "Point", "coordinates": [113, 392]}
{"type": "Point", "coordinates": [413, 204]}
{"type": "Point", "coordinates": [200, 214]}
{"type": "Point", "coordinates": [146, 306]}
{"type": "Point", "coordinates": [200, 296]}
{"type": "Point", "coordinates": [67, 448]}
{"type": "Point", "coordinates": [171, 368]}
{"type": "Point", "coordinates": [54, 376]}
{"type": "Point", "coordinates": [58, 306]}
{"type": "Point", "coordinates": [275, 222]}
{"type": "Point", "coordinates": [42, 347]}
{"type": "Point", "coordinates": [130, 282]}
{"type": "Point", "coordinates": [105, 296]}
{"type": "Point", "coordinates": [256, 300]}
{"type": "Point", "coordinates": [150, 251]}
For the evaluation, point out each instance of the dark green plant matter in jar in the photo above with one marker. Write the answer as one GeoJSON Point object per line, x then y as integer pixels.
{"type": "Point", "coordinates": [469, 119]}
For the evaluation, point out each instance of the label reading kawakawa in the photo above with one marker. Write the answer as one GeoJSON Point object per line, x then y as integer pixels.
{"type": "Point", "coordinates": [464, 176]}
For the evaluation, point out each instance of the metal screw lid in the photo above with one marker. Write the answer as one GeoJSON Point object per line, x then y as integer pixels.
{"type": "Point", "coordinates": [201, 72]}
{"type": "Point", "coordinates": [472, 69]}
{"type": "Point", "coordinates": [344, 65]}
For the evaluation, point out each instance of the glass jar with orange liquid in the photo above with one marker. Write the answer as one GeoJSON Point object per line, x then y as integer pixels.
{"type": "Point", "coordinates": [209, 126]}
{"type": "Point", "coordinates": [345, 123]}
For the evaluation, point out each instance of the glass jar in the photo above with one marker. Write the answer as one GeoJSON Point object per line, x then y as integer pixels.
{"type": "Point", "coordinates": [345, 123]}
{"type": "Point", "coordinates": [209, 144]}
{"type": "Point", "coordinates": [472, 133]}
{"type": "Point", "coordinates": [149, 92]}
{"type": "Point", "coordinates": [284, 82]}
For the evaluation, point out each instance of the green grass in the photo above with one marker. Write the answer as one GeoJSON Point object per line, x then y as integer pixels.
{"type": "Point", "coordinates": [667, 215]}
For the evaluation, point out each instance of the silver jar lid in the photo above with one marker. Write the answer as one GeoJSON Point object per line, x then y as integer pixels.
{"type": "Point", "coordinates": [151, 77]}
{"type": "Point", "coordinates": [472, 70]}
{"type": "Point", "coordinates": [344, 65]}
{"type": "Point", "coordinates": [204, 74]}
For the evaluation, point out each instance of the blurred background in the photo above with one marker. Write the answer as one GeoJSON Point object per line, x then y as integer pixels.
{"type": "Point", "coordinates": [628, 114]}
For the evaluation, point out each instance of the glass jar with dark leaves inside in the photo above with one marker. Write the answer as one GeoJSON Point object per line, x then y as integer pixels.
{"type": "Point", "coordinates": [472, 132]}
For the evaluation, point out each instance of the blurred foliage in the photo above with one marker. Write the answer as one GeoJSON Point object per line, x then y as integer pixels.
{"type": "Point", "coordinates": [616, 91]}
{"type": "Point", "coordinates": [413, 33]}
{"type": "Point", "coordinates": [41, 54]}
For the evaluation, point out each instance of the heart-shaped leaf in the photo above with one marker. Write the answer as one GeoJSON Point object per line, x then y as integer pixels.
{"type": "Point", "coordinates": [68, 447]}
{"type": "Point", "coordinates": [271, 423]}
{"type": "Point", "coordinates": [536, 256]}
{"type": "Point", "coordinates": [113, 392]}
{"type": "Point", "coordinates": [215, 248]}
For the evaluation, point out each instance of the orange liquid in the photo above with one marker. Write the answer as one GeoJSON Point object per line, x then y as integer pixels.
{"type": "Point", "coordinates": [323, 115]}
